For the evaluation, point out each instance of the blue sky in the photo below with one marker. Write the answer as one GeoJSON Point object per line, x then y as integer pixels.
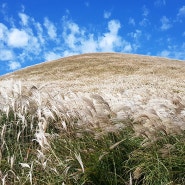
{"type": "Point", "coordinates": [34, 31]}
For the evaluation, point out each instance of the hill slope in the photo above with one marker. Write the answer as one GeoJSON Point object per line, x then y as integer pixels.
{"type": "Point", "coordinates": [89, 71]}
{"type": "Point", "coordinates": [132, 85]}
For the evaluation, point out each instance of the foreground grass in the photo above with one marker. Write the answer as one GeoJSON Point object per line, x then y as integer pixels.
{"type": "Point", "coordinates": [80, 139]}
{"type": "Point", "coordinates": [74, 156]}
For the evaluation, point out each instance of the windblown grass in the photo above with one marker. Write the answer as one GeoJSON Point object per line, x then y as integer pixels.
{"type": "Point", "coordinates": [89, 138]}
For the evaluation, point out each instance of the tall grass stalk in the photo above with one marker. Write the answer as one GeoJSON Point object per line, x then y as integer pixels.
{"type": "Point", "coordinates": [76, 139]}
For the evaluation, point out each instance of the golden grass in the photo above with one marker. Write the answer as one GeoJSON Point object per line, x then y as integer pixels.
{"type": "Point", "coordinates": [89, 68]}
{"type": "Point", "coordinates": [97, 87]}
{"type": "Point", "coordinates": [95, 94]}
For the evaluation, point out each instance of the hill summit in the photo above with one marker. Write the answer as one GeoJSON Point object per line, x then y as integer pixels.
{"type": "Point", "coordinates": [92, 72]}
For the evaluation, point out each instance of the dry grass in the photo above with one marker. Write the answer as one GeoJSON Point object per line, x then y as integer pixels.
{"type": "Point", "coordinates": [92, 93]}
{"type": "Point", "coordinates": [149, 90]}
{"type": "Point", "coordinates": [84, 71]}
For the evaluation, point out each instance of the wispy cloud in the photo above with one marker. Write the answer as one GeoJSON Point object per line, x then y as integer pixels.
{"type": "Point", "coordinates": [3, 32]}
{"type": "Point", "coordinates": [3, 9]}
{"type": "Point", "coordinates": [40, 32]}
{"type": "Point", "coordinates": [160, 3]}
{"type": "Point", "coordinates": [145, 11]}
{"type": "Point", "coordinates": [136, 36]}
{"type": "Point", "coordinates": [181, 12]}
{"type": "Point", "coordinates": [14, 65]}
{"type": "Point", "coordinates": [173, 51]}
{"type": "Point", "coordinates": [165, 23]}
{"type": "Point", "coordinates": [51, 29]}
{"type": "Point", "coordinates": [4, 14]}
{"type": "Point", "coordinates": [6, 54]}
{"type": "Point", "coordinates": [51, 56]}
{"type": "Point", "coordinates": [89, 44]}
{"type": "Point", "coordinates": [145, 21]}
{"type": "Point", "coordinates": [78, 40]}
{"type": "Point", "coordinates": [131, 21]}
{"type": "Point", "coordinates": [107, 14]}
{"type": "Point", "coordinates": [24, 19]}
{"type": "Point", "coordinates": [71, 33]}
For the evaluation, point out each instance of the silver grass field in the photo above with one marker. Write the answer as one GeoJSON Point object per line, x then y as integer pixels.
{"type": "Point", "coordinates": [123, 128]}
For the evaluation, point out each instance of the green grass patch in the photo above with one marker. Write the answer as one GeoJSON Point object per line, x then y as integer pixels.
{"type": "Point", "coordinates": [80, 158]}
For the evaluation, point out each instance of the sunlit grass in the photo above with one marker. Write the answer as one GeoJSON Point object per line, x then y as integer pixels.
{"type": "Point", "coordinates": [94, 119]}
{"type": "Point", "coordinates": [114, 158]}
{"type": "Point", "coordinates": [82, 139]}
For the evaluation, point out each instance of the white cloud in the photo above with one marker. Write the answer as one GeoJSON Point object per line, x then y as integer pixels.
{"type": "Point", "coordinates": [3, 32]}
{"type": "Point", "coordinates": [181, 12]}
{"type": "Point", "coordinates": [131, 21]}
{"type": "Point", "coordinates": [40, 31]}
{"type": "Point", "coordinates": [71, 34]}
{"type": "Point", "coordinates": [34, 47]}
{"type": "Point", "coordinates": [30, 40]}
{"type": "Point", "coordinates": [71, 40]}
{"type": "Point", "coordinates": [165, 23]}
{"type": "Point", "coordinates": [24, 19]}
{"type": "Point", "coordinates": [17, 38]}
{"type": "Point", "coordinates": [73, 27]}
{"type": "Point", "coordinates": [114, 26]}
{"type": "Point", "coordinates": [89, 45]}
{"type": "Point", "coordinates": [14, 65]}
{"type": "Point", "coordinates": [106, 14]}
{"type": "Point", "coordinates": [127, 48]}
{"type": "Point", "coordinates": [51, 56]}
{"type": "Point", "coordinates": [111, 40]}
{"type": "Point", "coordinates": [6, 54]}
{"type": "Point", "coordinates": [77, 40]}
{"type": "Point", "coordinates": [25, 41]}
{"type": "Point", "coordinates": [51, 29]}
{"type": "Point", "coordinates": [68, 53]}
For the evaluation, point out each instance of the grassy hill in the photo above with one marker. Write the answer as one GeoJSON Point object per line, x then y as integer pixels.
{"type": "Point", "coordinates": [101, 118]}
{"type": "Point", "coordinates": [86, 69]}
